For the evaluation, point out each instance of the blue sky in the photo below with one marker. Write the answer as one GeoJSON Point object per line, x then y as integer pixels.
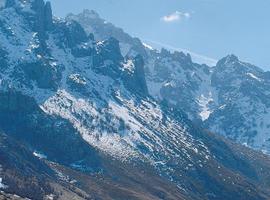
{"type": "Point", "coordinates": [213, 28]}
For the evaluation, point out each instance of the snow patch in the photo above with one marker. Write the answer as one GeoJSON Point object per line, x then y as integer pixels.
{"type": "Point", "coordinates": [77, 78]}
{"type": "Point", "coordinates": [50, 197]}
{"type": "Point", "coordinates": [254, 77]}
{"type": "Point", "coordinates": [39, 155]}
{"type": "Point", "coordinates": [129, 66]}
{"type": "Point", "coordinates": [148, 46]}
{"type": "Point", "coordinates": [203, 102]}
{"type": "Point", "coordinates": [2, 185]}
{"type": "Point", "coordinates": [222, 107]}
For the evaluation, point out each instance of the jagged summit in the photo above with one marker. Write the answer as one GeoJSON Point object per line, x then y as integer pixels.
{"type": "Point", "coordinates": [90, 13]}
{"type": "Point", "coordinates": [93, 23]}
{"type": "Point", "coordinates": [87, 14]}
{"type": "Point", "coordinates": [233, 63]}
{"type": "Point", "coordinates": [229, 59]}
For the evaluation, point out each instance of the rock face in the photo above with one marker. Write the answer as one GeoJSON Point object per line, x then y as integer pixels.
{"type": "Point", "coordinates": [81, 113]}
{"type": "Point", "coordinates": [3, 60]}
{"type": "Point", "coordinates": [43, 20]}
{"type": "Point", "coordinates": [23, 119]}
{"type": "Point", "coordinates": [138, 82]}
{"type": "Point", "coordinates": [15, 102]}
{"type": "Point", "coordinates": [43, 15]}
{"type": "Point", "coordinates": [110, 50]}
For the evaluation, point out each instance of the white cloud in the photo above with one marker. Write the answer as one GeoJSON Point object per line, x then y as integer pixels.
{"type": "Point", "coordinates": [176, 16]}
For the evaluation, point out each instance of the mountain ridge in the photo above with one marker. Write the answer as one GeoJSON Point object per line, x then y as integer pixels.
{"type": "Point", "coordinates": [89, 119]}
{"type": "Point", "coordinates": [203, 91]}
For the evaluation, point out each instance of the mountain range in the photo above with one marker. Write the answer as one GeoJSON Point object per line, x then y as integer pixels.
{"type": "Point", "coordinates": [230, 98]}
{"type": "Point", "coordinates": [89, 112]}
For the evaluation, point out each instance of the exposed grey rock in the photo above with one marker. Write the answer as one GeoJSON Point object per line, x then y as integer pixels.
{"type": "Point", "coordinates": [43, 19]}
{"type": "Point", "coordinates": [111, 50]}
{"type": "Point", "coordinates": [139, 76]}
{"type": "Point", "coordinates": [44, 74]}
{"type": "Point", "coordinates": [48, 16]}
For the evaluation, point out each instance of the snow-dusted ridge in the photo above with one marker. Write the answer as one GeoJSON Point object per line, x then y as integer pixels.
{"type": "Point", "coordinates": [128, 103]}
{"type": "Point", "coordinates": [170, 76]}
{"type": "Point", "coordinates": [88, 99]}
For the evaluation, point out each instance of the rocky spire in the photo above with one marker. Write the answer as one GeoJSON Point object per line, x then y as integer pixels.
{"type": "Point", "coordinates": [136, 81]}
{"type": "Point", "coordinates": [43, 21]}
{"type": "Point", "coordinates": [43, 15]}
{"type": "Point", "coordinates": [111, 50]}
{"type": "Point", "coordinates": [48, 16]}
{"type": "Point", "coordinates": [140, 74]}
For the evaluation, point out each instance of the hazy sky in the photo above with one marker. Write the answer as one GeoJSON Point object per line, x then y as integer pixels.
{"type": "Point", "coordinates": [213, 28]}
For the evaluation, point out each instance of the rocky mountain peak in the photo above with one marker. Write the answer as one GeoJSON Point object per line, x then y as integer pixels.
{"type": "Point", "coordinates": [164, 52]}
{"type": "Point", "coordinates": [89, 14]}
{"type": "Point", "coordinates": [230, 59]}
{"type": "Point", "coordinates": [182, 57]}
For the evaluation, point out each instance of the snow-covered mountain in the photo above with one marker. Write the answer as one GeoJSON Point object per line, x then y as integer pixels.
{"type": "Point", "coordinates": [80, 117]}
{"type": "Point", "coordinates": [231, 98]}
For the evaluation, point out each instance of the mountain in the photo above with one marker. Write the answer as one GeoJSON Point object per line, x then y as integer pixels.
{"type": "Point", "coordinates": [102, 30]}
{"type": "Point", "coordinates": [79, 120]}
{"type": "Point", "coordinates": [231, 98]}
